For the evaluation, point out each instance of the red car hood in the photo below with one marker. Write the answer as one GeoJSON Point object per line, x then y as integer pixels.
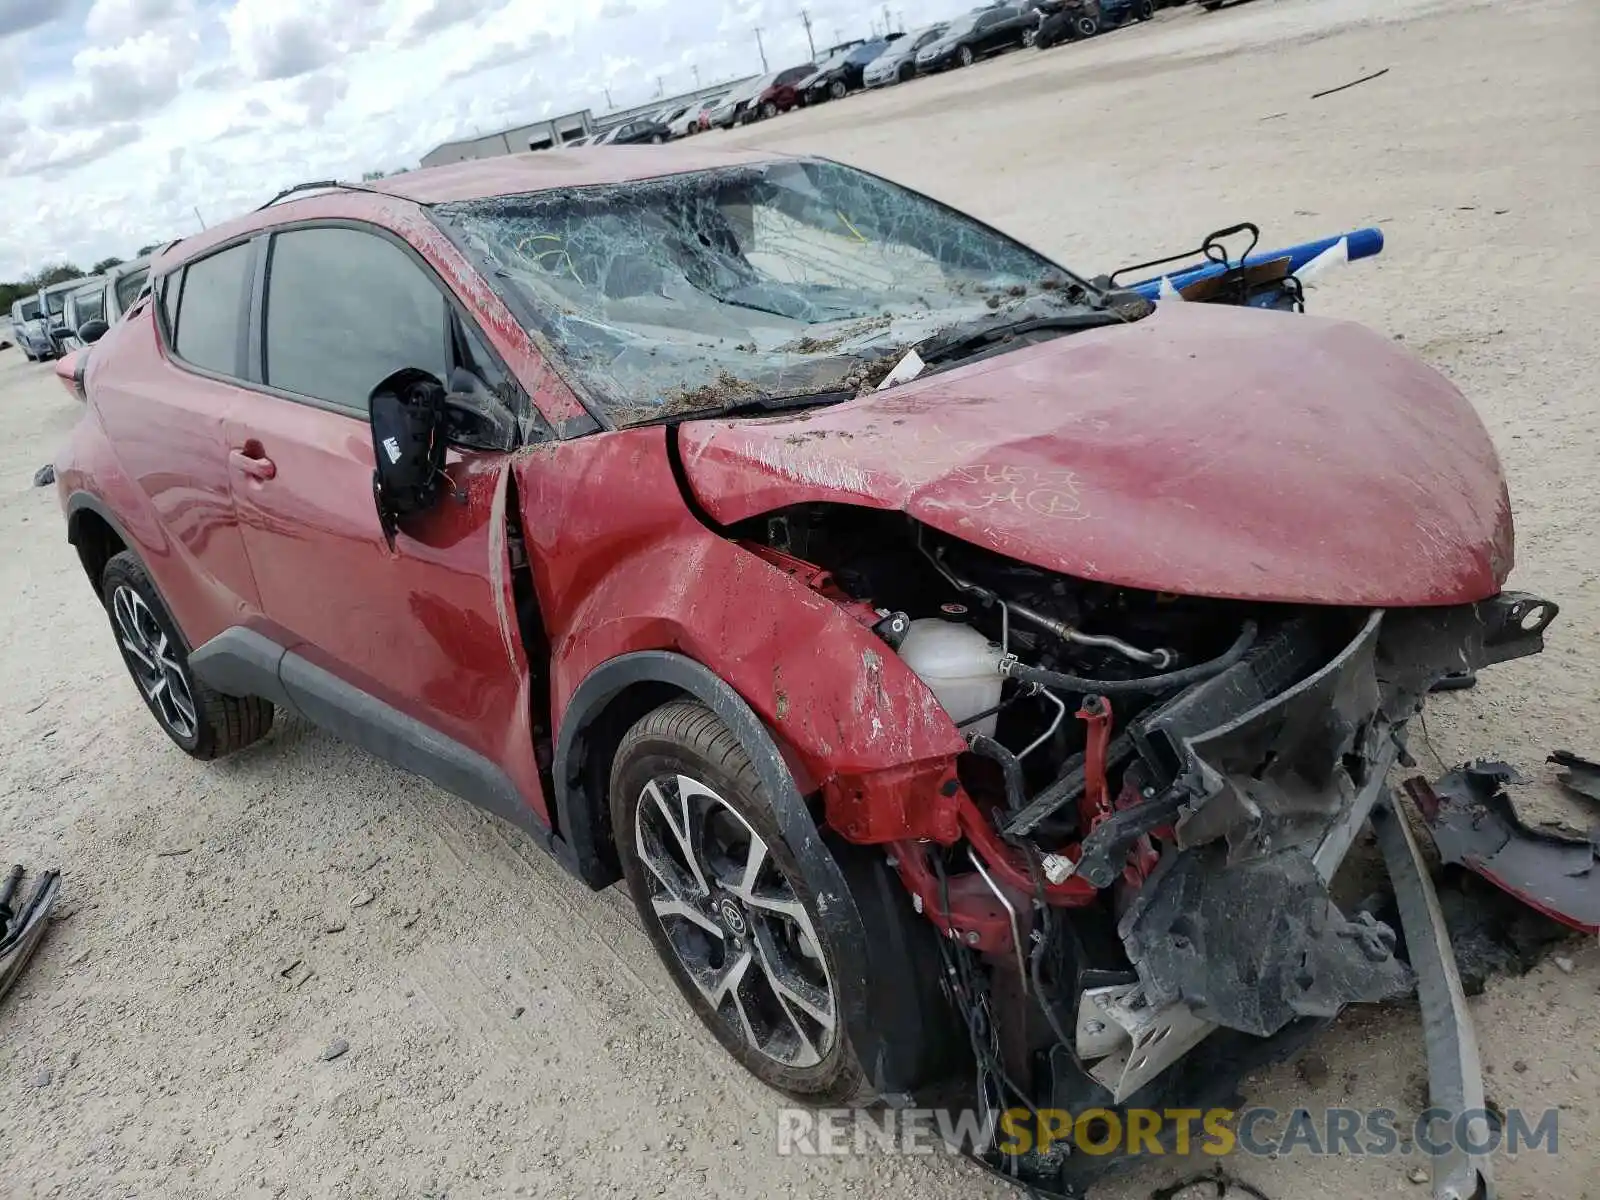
{"type": "Point", "coordinates": [1205, 450]}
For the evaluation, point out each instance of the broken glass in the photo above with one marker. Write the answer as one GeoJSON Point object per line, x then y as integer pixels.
{"type": "Point", "coordinates": [677, 294]}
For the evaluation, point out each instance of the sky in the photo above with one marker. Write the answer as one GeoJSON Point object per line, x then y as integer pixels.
{"type": "Point", "coordinates": [127, 122]}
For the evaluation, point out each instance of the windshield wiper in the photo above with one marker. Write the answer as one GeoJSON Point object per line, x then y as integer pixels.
{"type": "Point", "coordinates": [752, 406]}
{"type": "Point", "coordinates": [962, 342]}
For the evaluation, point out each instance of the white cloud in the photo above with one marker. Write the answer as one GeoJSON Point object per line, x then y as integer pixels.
{"type": "Point", "coordinates": [172, 105]}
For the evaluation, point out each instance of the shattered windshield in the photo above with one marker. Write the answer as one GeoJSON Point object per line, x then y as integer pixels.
{"type": "Point", "coordinates": [784, 279]}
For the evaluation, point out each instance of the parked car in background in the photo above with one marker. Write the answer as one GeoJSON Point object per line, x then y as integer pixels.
{"type": "Point", "coordinates": [84, 304]}
{"type": "Point", "coordinates": [635, 133]}
{"type": "Point", "coordinates": [732, 107]}
{"type": "Point", "coordinates": [688, 122]}
{"type": "Point", "coordinates": [975, 34]}
{"type": "Point", "coordinates": [898, 62]}
{"type": "Point", "coordinates": [53, 303]}
{"type": "Point", "coordinates": [781, 93]}
{"type": "Point", "coordinates": [124, 283]}
{"type": "Point", "coordinates": [27, 322]}
{"type": "Point", "coordinates": [1075, 20]}
{"type": "Point", "coordinates": [841, 76]}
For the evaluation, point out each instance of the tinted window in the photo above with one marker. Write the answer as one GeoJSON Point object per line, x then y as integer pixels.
{"type": "Point", "coordinates": [56, 302]}
{"type": "Point", "coordinates": [90, 307]}
{"type": "Point", "coordinates": [129, 287]}
{"type": "Point", "coordinates": [345, 310]}
{"type": "Point", "coordinates": [211, 311]}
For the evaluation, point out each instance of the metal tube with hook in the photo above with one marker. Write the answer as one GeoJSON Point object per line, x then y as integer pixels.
{"type": "Point", "coordinates": [1011, 911]}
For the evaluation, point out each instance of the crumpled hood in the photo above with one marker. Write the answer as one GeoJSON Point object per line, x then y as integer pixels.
{"type": "Point", "coordinates": [1205, 450]}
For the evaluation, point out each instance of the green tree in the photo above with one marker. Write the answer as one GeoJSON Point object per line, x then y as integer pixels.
{"type": "Point", "coordinates": [59, 273]}
{"type": "Point", "coordinates": [104, 265]}
{"type": "Point", "coordinates": [150, 249]}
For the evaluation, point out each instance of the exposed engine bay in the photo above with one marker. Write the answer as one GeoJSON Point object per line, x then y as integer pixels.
{"type": "Point", "coordinates": [1132, 875]}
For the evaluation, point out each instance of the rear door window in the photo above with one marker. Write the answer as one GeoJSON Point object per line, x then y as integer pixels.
{"type": "Point", "coordinates": [211, 310]}
{"type": "Point", "coordinates": [345, 310]}
{"type": "Point", "coordinates": [90, 307]}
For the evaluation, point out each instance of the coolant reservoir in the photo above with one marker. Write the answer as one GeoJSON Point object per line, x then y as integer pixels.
{"type": "Point", "coordinates": [960, 666]}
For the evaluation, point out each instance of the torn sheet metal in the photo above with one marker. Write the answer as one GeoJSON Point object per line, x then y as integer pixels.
{"type": "Point", "coordinates": [1475, 824]}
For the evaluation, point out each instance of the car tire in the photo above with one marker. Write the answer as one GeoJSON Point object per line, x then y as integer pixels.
{"type": "Point", "coordinates": [965, 56]}
{"type": "Point", "coordinates": [1144, 10]}
{"type": "Point", "coordinates": [203, 723]}
{"type": "Point", "coordinates": [906, 73]}
{"type": "Point", "coordinates": [769, 110]}
{"type": "Point", "coordinates": [1029, 37]}
{"type": "Point", "coordinates": [726, 906]}
{"type": "Point", "coordinates": [656, 139]}
{"type": "Point", "coordinates": [1086, 27]}
{"type": "Point", "coordinates": [838, 89]}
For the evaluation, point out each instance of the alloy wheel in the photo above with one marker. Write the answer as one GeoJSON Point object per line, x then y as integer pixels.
{"type": "Point", "coordinates": [153, 664]}
{"type": "Point", "coordinates": [966, 56]}
{"type": "Point", "coordinates": [735, 922]}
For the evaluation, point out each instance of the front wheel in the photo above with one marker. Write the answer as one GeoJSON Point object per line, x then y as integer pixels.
{"type": "Point", "coordinates": [726, 905]}
{"type": "Point", "coordinates": [1145, 10]}
{"type": "Point", "coordinates": [1087, 27]}
{"type": "Point", "coordinates": [769, 110]}
{"type": "Point", "coordinates": [1030, 36]}
{"type": "Point", "coordinates": [965, 56]}
{"type": "Point", "coordinates": [837, 89]}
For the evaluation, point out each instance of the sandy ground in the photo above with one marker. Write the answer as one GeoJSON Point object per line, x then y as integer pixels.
{"type": "Point", "coordinates": [511, 1033]}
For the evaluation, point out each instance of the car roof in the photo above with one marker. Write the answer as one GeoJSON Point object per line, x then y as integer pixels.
{"type": "Point", "coordinates": [474, 179]}
{"type": "Point", "coordinates": [66, 285]}
{"type": "Point", "coordinates": [93, 283]}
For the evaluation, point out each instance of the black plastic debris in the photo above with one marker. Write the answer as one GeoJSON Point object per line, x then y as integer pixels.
{"type": "Point", "coordinates": [1475, 824]}
{"type": "Point", "coordinates": [45, 475]}
{"type": "Point", "coordinates": [1582, 775]}
{"type": "Point", "coordinates": [22, 924]}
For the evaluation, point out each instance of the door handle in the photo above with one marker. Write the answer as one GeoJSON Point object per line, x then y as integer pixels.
{"type": "Point", "coordinates": [252, 460]}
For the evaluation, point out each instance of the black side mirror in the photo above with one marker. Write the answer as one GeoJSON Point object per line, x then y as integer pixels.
{"type": "Point", "coordinates": [408, 442]}
{"type": "Point", "coordinates": [92, 330]}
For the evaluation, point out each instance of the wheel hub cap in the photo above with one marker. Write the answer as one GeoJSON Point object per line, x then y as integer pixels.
{"type": "Point", "coordinates": [734, 921]}
{"type": "Point", "coordinates": [153, 662]}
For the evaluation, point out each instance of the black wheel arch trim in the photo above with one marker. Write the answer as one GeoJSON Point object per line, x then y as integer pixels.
{"type": "Point", "coordinates": [837, 910]}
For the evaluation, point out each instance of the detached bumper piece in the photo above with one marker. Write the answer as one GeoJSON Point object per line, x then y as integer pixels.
{"type": "Point", "coordinates": [22, 923]}
{"type": "Point", "coordinates": [1455, 1075]}
{"type": "Point", "coordinates": [1475, 824]}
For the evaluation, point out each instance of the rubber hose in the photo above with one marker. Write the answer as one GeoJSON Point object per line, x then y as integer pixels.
{"type": "Point", "coordinates": [1149, 683]}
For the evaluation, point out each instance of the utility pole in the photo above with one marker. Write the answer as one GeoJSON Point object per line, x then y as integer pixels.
{"type": "Point", "coordinates": [661, 87]}
{"type": "Point", "coordinates": [762, 49]}
{"type": "Point", "coordinates": [805, 19]}
{"type": "Point", "coordinates": [199, 218]}
{"type": "Point", "coordinates": [888, 25]}
{"type": "Point", "coordinates": [610, 103]}
{"type": "Point", "coordinates": [696, 69]}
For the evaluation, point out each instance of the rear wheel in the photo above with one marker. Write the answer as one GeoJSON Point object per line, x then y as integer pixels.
{"type": "Point", "coordinates": [837, 89]}
{"type": "Point", "coordinates": [965, 56]}
{"type": "Point", "coordinates": [1086, 27]}
{"type": "Point", "coordinates": [1144, 10]}
{"type": "Point", "coordinates": [726, 905]}
{"type": "Point", "coordinates": [203, 723]}
{"type": "Point", "coordinates": [769, 110]}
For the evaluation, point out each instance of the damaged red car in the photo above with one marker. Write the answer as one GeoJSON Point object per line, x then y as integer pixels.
{"type": "Point", "coordinates": [975, 670]}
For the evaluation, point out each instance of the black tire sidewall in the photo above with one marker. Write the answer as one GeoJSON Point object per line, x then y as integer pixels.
{"type": "Point", "coordinates": [838, 1078]}
{"type": "Point", "coordinates": [125, 570]}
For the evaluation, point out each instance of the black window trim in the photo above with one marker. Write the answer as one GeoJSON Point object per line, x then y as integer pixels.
{"type": "Point", "coordinates": [257, 340]}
